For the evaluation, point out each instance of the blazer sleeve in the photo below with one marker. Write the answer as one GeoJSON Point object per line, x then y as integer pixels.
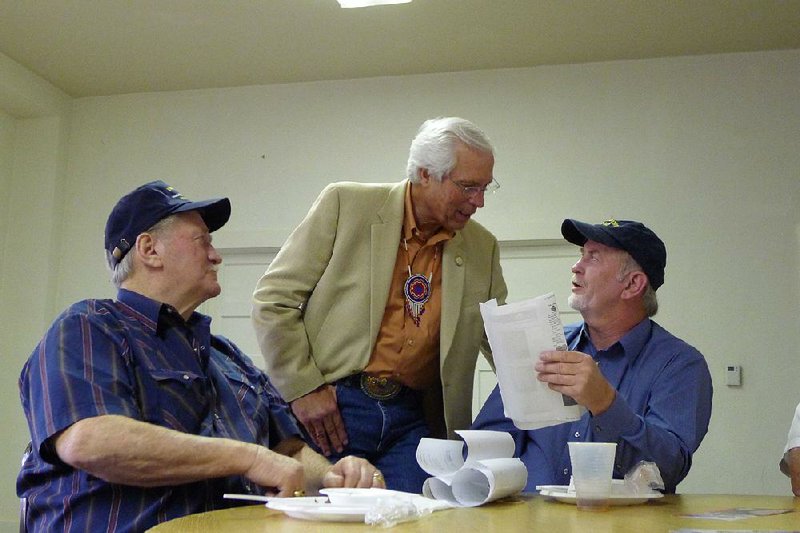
{"type": "Point", "coordinates": [497, 291]}
{"type": "Point", "coordinates": [282, 293]}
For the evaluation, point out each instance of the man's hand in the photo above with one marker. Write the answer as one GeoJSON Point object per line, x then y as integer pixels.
{"type": "Point", "coordinates": [284, 474]}
{"type": "Point", "coordinates": [353, 472]}
{"type": "Point", "coordinates": [319, 414]}
{"type": "Point", "coordinates": [319, 472]}
{"type": "Point", "coordinates": [576, 375]}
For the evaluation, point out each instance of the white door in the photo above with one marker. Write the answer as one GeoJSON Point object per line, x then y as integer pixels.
{"type": "Point", "coordinates": [240, 271]}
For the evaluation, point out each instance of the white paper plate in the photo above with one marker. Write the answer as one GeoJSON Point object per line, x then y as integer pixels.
{"type": "Point", "coordinates": [560, 493]}
{"type": "Point", "coordinates": [318, 509]}
{"type": "Point", "coordinates": [357, 496]}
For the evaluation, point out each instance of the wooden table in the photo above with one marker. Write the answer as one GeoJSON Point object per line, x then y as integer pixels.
{"type": "Point", "coordinates": [526, 512]}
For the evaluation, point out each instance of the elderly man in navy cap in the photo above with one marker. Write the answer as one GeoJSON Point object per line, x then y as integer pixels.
{"type": "Point", "coordinates": [137, 413]}
{"type": "Point", "coordinates": [643, 388]}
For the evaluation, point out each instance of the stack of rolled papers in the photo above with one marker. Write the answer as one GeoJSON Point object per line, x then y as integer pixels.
{"type": "Point", "coordinates": [488, 473]}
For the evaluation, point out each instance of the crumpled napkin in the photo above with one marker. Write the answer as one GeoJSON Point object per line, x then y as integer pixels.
{"type": "Point", "coordinates": [401, 507]}
{"type": "Point", "coordinates": [644, 478]}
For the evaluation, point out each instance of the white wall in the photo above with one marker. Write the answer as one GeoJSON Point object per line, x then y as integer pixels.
{"type": "Point", "coordinates": [33, 122]}
{"type": "Point", "coordinates": [703, 149]}
{"type": "Point", "coordinates": [30, 207]}
{"type": "Point", "coordinates": [7, 130]}
{"type": "Point", "coordinates": [10, 413]}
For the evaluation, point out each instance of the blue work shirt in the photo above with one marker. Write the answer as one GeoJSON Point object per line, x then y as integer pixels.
{"type": "Point", "coordinates": [660, 413]}
{"type": "Point", "coordinates": [138, 358]}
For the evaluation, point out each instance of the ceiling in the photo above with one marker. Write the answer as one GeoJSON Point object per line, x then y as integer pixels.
{"type": "Point", "coordinates": [106, 47]}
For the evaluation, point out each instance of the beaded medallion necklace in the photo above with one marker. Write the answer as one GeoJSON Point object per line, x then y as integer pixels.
{"type": "Point", "coordinates": [417, 288]}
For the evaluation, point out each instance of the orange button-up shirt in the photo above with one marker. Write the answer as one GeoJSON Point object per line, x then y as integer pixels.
{"type": "Point", "coordinates": [404, 351]}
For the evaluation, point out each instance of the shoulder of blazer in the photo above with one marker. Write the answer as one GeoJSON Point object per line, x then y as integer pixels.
{"type": "Point", "coordinates": [384, 199]}
{"type": "Point", "coordinates": [351, 190]}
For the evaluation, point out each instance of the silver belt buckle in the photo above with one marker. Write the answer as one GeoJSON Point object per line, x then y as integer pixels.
{"type": "Point", "coordinates": [379, 388]}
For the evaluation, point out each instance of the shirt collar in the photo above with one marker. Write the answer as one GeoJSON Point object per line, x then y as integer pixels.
{"type": "Point", "coordinates": [157, 315]}
{"type": "Point", "coordinates": [410, 228]}
{"type": "Point", "coordinates": [631, 343]}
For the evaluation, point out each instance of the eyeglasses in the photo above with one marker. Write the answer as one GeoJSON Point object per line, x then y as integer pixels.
{"type": "Point", "coordinates": [475, 190]}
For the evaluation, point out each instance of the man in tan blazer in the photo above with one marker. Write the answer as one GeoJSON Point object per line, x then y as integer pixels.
{"type": "Point", "coordinates": [368, 317]}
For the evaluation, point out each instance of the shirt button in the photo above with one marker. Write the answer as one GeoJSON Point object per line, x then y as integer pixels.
{"type": "Point", "coordinates": [566, 471]}
{"type": "Point", "coordinates": [577, 434]}
{"type": "Point", "coordinates": [459, 261]}
{"type": "Point", "coordinates": [411, 342]}
{"type": "Point", "coordinates": [186, 377]}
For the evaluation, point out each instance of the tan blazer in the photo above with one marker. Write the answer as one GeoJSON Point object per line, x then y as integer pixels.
{"type": "Point", "coordinates": [318, 308]}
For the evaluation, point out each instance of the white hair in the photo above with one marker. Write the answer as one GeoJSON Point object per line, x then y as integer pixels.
{"type": "Point", "coordinates": [124, 268]}
{"type": "Point", "coordinates": [434, 147]}
{"type": "Point", "coordinates": [649, 298]}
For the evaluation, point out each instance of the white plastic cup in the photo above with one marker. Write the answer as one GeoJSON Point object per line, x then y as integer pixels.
{"type": "Point", "coordinates": [592, 470]}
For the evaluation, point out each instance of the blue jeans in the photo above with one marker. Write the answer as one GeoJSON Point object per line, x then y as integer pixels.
{"type": "Point", "coordinates": [386, 433]}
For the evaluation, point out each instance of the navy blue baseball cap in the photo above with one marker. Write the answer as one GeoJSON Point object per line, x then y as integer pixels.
{"type": "Point", "coordinates": [142, 208]}
{"type": "Point", "coordinates": [633, 237]}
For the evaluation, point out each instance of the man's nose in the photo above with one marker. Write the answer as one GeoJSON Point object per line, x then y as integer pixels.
{"type": "Point", "coordinates": [478, 199]}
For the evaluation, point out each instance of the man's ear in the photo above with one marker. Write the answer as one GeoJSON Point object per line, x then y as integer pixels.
{"type": "Point", "coordinates": [146, 250]}
{"type": "Point", "coordinates": [424, 175]}
{"type": "Point", "coordinates": [637, 283]}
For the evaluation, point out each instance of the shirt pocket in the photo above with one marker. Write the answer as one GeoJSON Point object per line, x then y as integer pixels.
{"type": "Point", "coordinates": [249, 396]}
{"type": "Point", "coordinates": [181, 399]}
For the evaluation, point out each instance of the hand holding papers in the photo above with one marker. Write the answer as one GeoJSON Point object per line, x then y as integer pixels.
{"type": "Point", "coordinates": [518, 333]}
{"type": "Point", "coordinates": [490, 471]}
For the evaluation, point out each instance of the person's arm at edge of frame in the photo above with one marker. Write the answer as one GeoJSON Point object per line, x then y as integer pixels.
{"type": "Point", "coordinates": [793, 461]}
{"type": "Point", "coordinates": [790, 462]}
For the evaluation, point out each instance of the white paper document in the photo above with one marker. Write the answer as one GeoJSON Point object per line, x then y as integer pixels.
{"type": "Point", "coordinates": [518, 332]}
{"type": "Point", "coordinates": [488, 473]}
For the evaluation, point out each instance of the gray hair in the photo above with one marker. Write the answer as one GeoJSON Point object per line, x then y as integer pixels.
{"type": "Point", "coordinates": [649, 298]}
{"type": "Point", "coordinates": [124, 268]}
{"type": "Point", "coordinates": [434, 147]}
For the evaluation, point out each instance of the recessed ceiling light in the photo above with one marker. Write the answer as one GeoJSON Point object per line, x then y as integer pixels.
{"type": "Point", "coordinates": [367, 3]}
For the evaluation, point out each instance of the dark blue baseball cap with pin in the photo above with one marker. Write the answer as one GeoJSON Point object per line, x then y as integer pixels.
{"type": "Point", "coordinates": [633, 237]}
{"type": "Point", "coordinates": [142, 208]}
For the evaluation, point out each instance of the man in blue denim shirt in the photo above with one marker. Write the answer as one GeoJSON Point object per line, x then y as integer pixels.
{"type": "Point", "coordinates": [137, 413]}
{"type": "Point", "coordinates": [643, 388]}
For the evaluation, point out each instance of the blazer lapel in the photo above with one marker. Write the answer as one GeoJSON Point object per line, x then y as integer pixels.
{"type": "Point", "coordinates": [453, 269]}
{"type": "Point", "coordinates": [385, 236]}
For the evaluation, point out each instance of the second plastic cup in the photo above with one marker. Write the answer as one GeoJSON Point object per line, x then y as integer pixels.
{"type": "Point", "coordinates": [592, 470]}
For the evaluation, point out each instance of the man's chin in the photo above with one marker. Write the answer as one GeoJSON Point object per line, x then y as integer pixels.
{"type": "Point", "coordinates": [215, 291]}
{"type": "Point", "coordinates": [456, 224]}
{"type": "Point", "coordinates": [575, 302]}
